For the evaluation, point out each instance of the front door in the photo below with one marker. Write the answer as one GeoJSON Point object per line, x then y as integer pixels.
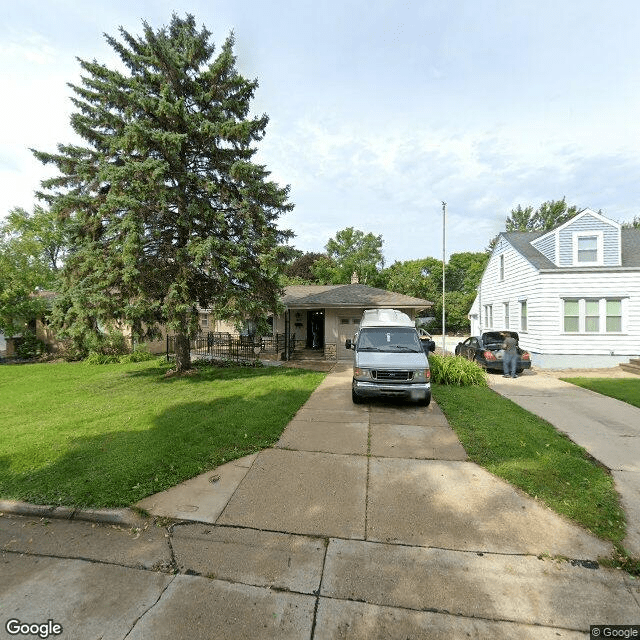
{"type": "Point", "coordinates": [315, 329]}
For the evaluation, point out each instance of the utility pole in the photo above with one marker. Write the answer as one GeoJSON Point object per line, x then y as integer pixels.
{"type": "Point", "coordinates": [444, 226]}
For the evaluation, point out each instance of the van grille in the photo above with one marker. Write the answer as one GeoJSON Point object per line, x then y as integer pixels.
{"type": "Point", "coordinates": [392, 375]}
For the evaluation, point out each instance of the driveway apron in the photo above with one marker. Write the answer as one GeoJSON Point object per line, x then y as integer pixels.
{"type": "Point", "coordinates": [411, 527]}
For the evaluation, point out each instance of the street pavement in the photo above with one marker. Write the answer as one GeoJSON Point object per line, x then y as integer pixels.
{"type": "Point", "coordinates": [364, 521]}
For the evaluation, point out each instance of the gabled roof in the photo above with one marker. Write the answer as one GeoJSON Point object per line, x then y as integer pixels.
{"type": "Point", "coordinates": [581, 214]}
{"type": "Point", "coordinates": [349, 295]}
{"type": "Point", "coordinates": [521, 242]}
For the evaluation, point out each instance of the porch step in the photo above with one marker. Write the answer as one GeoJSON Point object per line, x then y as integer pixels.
{"type": "Point", "coordinates": [308, 354]}
{"type": "Point", "coordinates": [633, 366]}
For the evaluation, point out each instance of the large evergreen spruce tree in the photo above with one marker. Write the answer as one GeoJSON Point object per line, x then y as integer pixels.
{"type": "Point", "coordinates": [165, 208]}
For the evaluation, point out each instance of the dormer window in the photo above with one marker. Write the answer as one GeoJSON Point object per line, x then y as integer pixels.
{"type": "Point", "coordinates": [587, 248]}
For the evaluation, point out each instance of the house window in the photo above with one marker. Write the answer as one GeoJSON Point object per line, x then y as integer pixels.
{"type": "Point", "coordinates": [488, 316]}
{"type": "Point", "coordinates": [571, 316]}
{"type": "Point", "coordinates": [590, 316]}
{"type": "Point", "coordinates": [613, 316]}
{"type": "Point", "coordinates": [523, 315]}
{"type": "Point", "coordinates": [587, 248]}
{"type": "Point", "coordinates": [204, 320]}
{"type": "Point", "coordinates": [506, 315]}
{"type": "Point", "coordinates": [502, 267]}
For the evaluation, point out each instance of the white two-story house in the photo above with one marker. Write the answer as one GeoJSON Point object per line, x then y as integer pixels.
{"type": "Point", "coordinates": [572, 293]}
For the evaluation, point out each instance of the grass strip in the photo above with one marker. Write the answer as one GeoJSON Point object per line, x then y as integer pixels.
{"type": "Point", "coordinates": [531, 454]}
{"type": "Point", "coordinates": [625, 389]}
{"type": "Point", "coordinates": [109, 435]}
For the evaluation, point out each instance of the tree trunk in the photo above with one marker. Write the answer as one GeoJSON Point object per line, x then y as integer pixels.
{"type": "Point", "coordinates": [183, 352]}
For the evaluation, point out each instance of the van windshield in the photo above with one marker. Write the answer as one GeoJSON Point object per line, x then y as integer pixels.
{"type": "Point", "coordinates": [388, 339]}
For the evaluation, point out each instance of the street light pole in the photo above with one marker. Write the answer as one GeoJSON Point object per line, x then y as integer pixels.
{"type": "Point", "coordinates": [444, 226]}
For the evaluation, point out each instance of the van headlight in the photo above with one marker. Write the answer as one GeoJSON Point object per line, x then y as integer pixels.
{"type": "Point", "coordinates": [422, 375]}
{"type": "Point", "coordinates": [360, 373]}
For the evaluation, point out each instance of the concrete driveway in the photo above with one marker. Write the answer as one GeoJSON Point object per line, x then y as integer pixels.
{"type": "Point", "coordinates": [607, 428]}
{"type": "Point", "coordinates": [364, 521]}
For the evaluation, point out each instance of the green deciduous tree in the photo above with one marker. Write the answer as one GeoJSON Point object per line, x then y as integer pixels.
{"type": "Point", "coordinates": [632, 224]}
{"type": "Point", "coordinates": [549, 215]}
{"type": "Point", "coordinates": [32, 246]}
{"type": "Point", "coordinates": [464, 271]}
{"type": "Point", "coordinates": [165, 206]}
{"type": "Point", "coordinates": [300, 270]}
{"type": "Point", "coordinates": [418, 278]}
{"type": "Point", "coordinates": [351, 251]}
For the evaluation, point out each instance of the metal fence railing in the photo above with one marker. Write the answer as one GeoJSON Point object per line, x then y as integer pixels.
{"type": "Point", "coordinates": [226, 346]}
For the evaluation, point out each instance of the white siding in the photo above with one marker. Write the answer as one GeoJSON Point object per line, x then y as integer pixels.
{"type": "Point", "coordinates": [611, 240]}
{"type": "Point", "coordinates": [545, 293]}
{"type": "Point", "coordinates": [520, 282]}
{"type": "Point", "coordinates": [558, 286]}
{"type": "Point", "coordinates": [546, 245]}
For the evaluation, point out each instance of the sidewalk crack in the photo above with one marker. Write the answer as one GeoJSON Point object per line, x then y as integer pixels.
{"type": "Point", "coordinates": [143, 614]}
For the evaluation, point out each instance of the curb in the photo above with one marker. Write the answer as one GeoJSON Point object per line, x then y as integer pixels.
{"type": "Point", "coordinates": [126, 517]}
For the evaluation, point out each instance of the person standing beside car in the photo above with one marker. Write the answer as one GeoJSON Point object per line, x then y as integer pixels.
{"type": "Point", "coordinates": [509, 357]}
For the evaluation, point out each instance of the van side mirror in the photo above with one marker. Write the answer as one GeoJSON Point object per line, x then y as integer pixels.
{"type": "Point", "coordinates": [432, 345]}
{"type": "Point", "coordinates": [347, 343]}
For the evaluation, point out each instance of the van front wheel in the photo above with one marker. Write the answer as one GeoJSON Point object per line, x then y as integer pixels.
{"type": "Point", "coordinates": [355, 397]}
{"type": "Point", "coordinates": [426, 401]}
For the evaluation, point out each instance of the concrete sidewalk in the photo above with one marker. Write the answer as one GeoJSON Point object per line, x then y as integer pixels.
{"type": "Point", "coordinates": [607, 428]}
{"type": "Point", "coordinates": [364, 521]}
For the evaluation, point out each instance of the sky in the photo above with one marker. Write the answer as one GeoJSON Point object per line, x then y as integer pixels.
{"type": "Point", "coordinates": [379, 110]}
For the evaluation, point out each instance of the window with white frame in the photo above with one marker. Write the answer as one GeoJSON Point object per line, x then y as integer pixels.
{"type": "Point", "coordinates": [613, 316]}
{"type": "Point", "coordinates": [488, 316]}
{"type": "Point", "coordinates": [523, 315]}
{"type": "Point", "coordinates": [571, 316]}
{"type": "Point", "coordinates": [204, 320]}
{"type": "Point", "coordinates": [591, 315]}
{"type": "Point", "coordinates": [506, 315]}
{"type": "Point", "coordinates": [588, 248]}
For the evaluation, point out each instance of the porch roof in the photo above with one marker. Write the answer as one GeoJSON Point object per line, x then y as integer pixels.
{"type": "Point", "coordinates": [348, 296]}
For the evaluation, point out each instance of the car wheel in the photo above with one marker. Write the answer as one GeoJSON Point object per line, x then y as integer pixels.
{"type": "Point", "coordinates": [356, 398]}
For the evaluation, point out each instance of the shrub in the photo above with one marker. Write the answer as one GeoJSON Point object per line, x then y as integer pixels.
{"type": "Point", "coordinates": [101, 358]}
{"type": "Point", "coordinates": [139, 355]}
{"type": "Point", "coordinates": [455, 370]}
{"type": "Point", "coordinates": [28, 346]}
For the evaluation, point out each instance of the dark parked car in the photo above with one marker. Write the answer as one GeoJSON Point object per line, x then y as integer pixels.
{"type": "Point", "coordinates": [486, 350]}
{"type": "Point", "coordinates": [426, 341]}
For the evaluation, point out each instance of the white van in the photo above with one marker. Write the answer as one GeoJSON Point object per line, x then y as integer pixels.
{"type": "Point", "coordinates": [390, 359]}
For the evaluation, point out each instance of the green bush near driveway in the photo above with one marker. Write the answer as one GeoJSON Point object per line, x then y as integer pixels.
{"type": "Point", "coordinates": [531, 454]}
{"type": "Point", "coordinates": [107, 436]}
{"type": "Point", "coordinates": [448, 369]}
{"type": "Point", "coordinates": [625, 389]}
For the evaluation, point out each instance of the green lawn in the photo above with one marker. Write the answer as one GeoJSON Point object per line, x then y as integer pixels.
{"type": "Point", "coordinates": [625, 389]}
{"type": "Point", "coordinates": [531, 454]}
{"type": "Point", "coordinates": [107, 436]}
